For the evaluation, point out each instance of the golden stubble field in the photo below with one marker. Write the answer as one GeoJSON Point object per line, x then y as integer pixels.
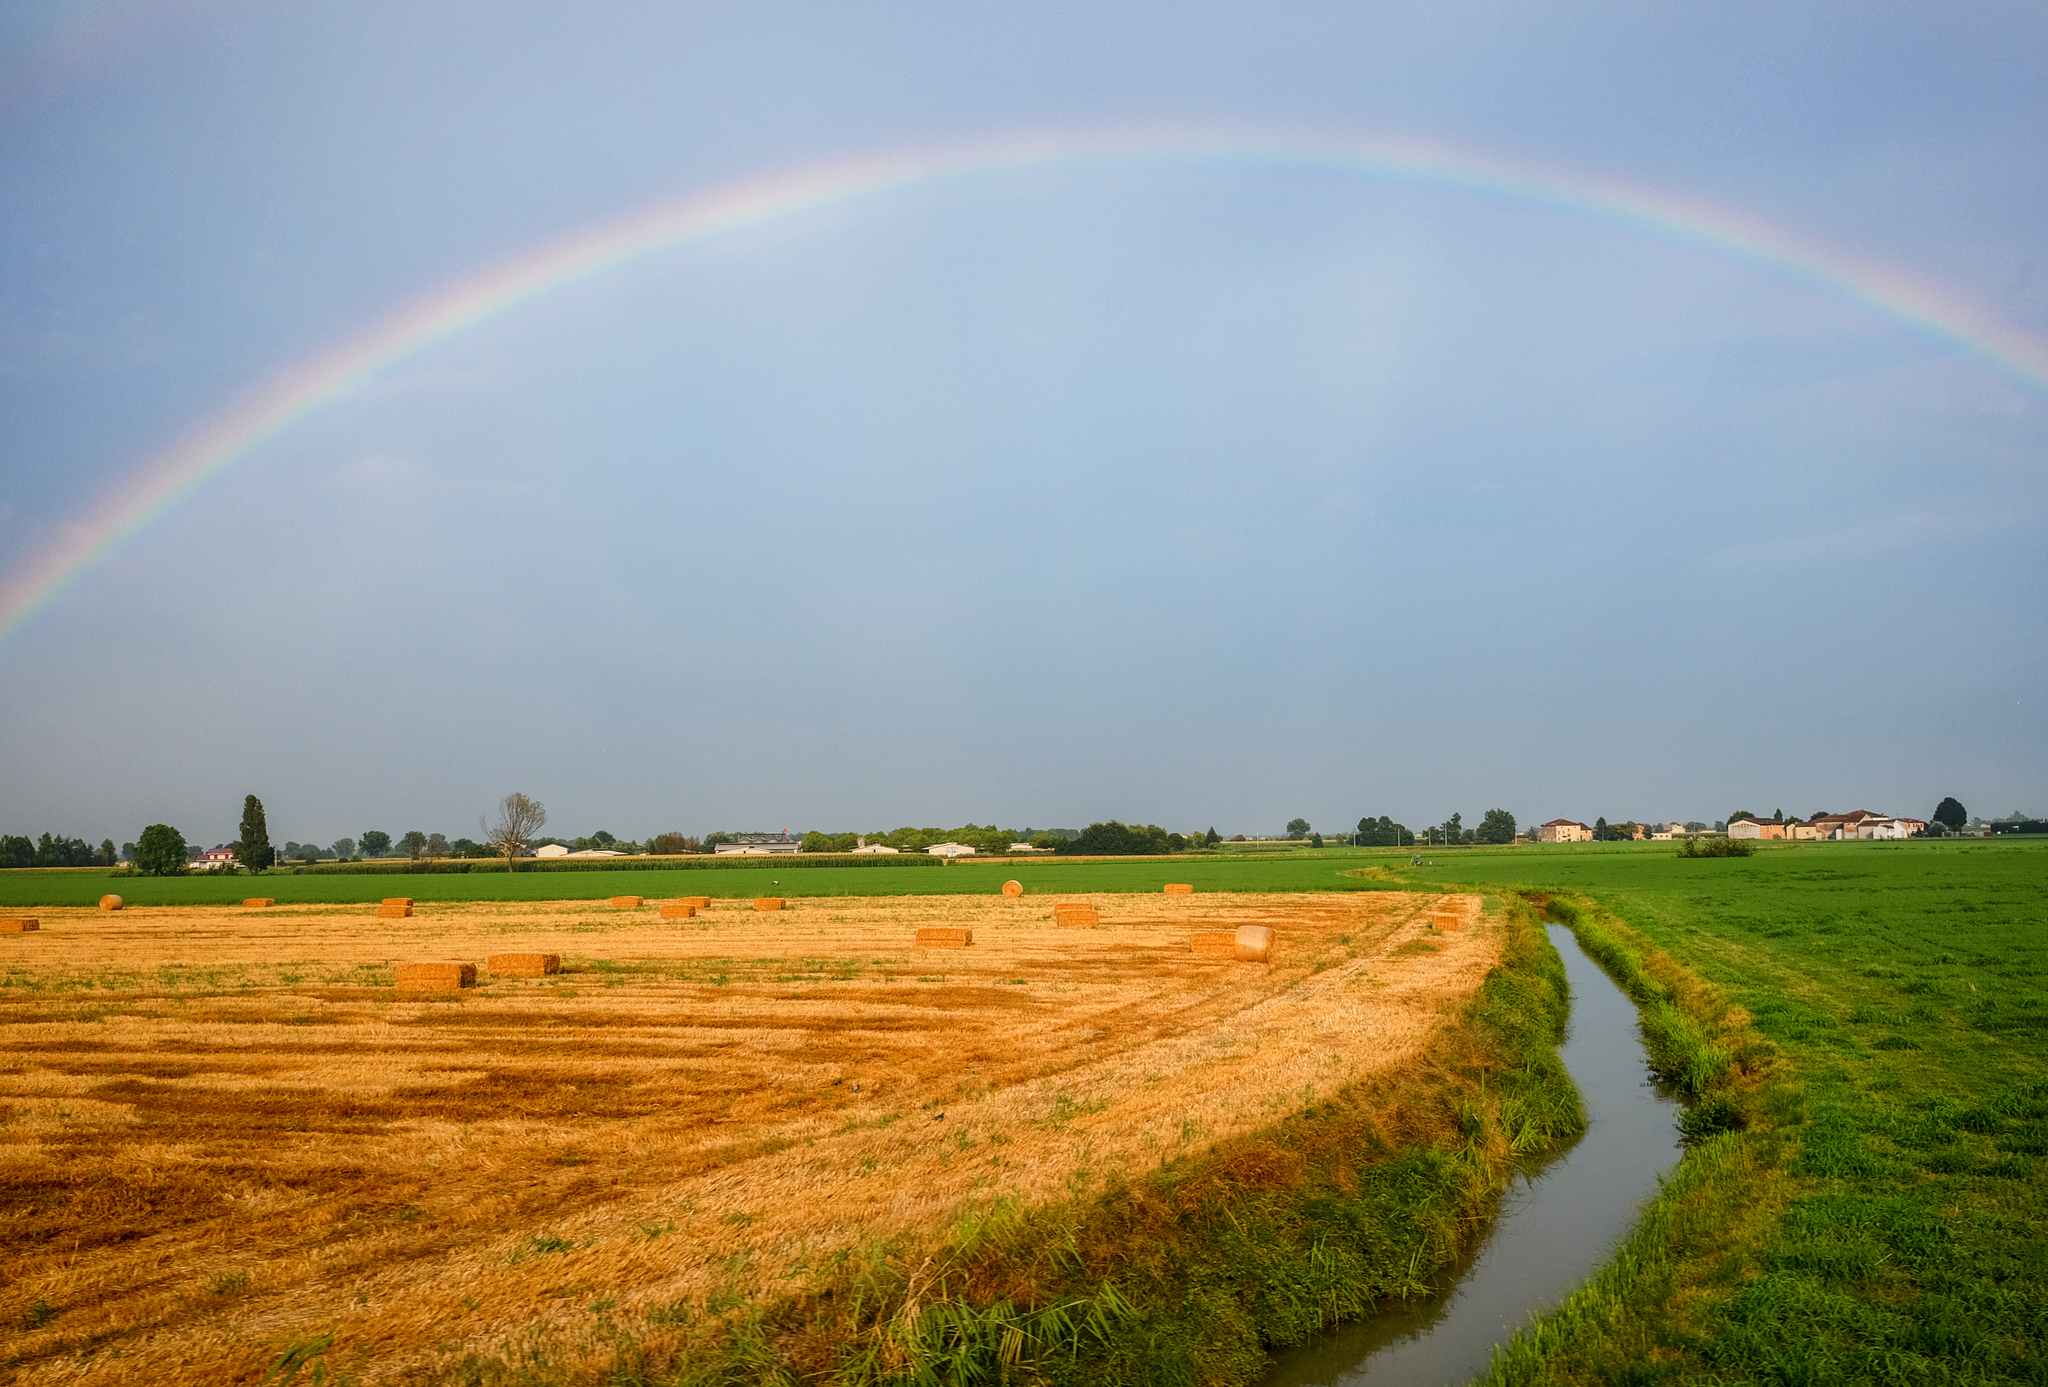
{"type": "Point", "coordinates": [222, 1132]}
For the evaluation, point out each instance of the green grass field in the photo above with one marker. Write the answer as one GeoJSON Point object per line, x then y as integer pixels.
{"type": "Point", "coordinates": [22, 889]}
{"type": "Point", "coordinates": [1895, 1228]}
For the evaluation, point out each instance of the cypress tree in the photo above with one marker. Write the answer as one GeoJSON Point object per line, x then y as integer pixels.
{"type": "Point", "coordinates": [254, 851]}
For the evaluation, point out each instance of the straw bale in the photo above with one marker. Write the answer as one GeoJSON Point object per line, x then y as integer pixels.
{"type": "Point", "coordinates": [767, 902]}
{"type": "Point", "coordinates": [436, 977]}
{"type": "Point", "coordinates": [398, 900]}
{"type": "Point", "coordinates": [1215, 945]}
{"type": "Point", "coordinates": [628, 902]}
{"type": "Point", "coordinates": [701, 902]}
{"type": "Point", "coordinates": [1179, 888]}
{"type": "Point", "coordinates": [19, 926]}
{"type": "Point", "coordinates": [677, 910]}
{"type": "Point", "coordinates": [1013, 888]}
{"type": "Point", "coordinates": [1254, 944]}
{"type": "Point", "coordinates": [1446, 921]}
{"type": "Point", "coordinates": [393, 912]}
{"type": "Point", "coordinates": [1075, 914]}
{"type": "Point", "coordinates": [944, 937]}
{"type": "Point", "coordinates": [257, 902]}
{"type": "Point", "coordinates": [110, 902]}
{"type": "Point", "coordinates": [524, 965]}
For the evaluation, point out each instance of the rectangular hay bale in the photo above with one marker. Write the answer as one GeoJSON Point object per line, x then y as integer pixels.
{"type": "Point", "coordinates": [1446, 921]}
{"type": "Point", "coordinates": [627, 902]}
{"type": "Point", "coordinates": [944, 937]}
{"type": "Point", "coordinates": [524, 965]}
{"type": "Point", "coordinates": [676, 910]}
{"type": "Point", "coordinates": [1215, 945]}
{"type": "Point", "coordinates": [701, 902]}
{"type": "Point", "coordinates": [19, 926]}
{"type": "Point", "coordinates": [397, 900]}
{"type": "Point", "coordinates": [393, 912]}
{"type": "Point", "coordinates": [259, 902]}
{"type": "Point", "coordinates": [1076, 915]}
{"type": "Point", "coordinates": [436, 977]}
{"type": "Point", "coordinates": [767, 902]}
{"type": "Point", "coordinates": [1179, 888]}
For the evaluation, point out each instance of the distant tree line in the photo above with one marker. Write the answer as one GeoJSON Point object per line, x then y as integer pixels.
{"type": "Point", "coordinates": [53, 851]}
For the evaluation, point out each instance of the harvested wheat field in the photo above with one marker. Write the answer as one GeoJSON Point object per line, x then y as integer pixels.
{"type": "Point", "coordinates": [226, 1133]}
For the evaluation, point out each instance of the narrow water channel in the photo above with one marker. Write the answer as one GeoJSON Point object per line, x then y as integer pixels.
{"type": "Point", "coordinates": [1556, 1225]}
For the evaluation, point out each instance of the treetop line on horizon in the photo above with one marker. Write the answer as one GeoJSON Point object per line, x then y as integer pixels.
{"type": "Point", "coordinates": [162, 849]}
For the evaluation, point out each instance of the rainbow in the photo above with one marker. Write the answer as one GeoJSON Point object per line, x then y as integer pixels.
{"type": "Point", "coordinates": [218, 443]}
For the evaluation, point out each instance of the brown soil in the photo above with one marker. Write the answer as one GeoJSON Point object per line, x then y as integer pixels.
{"type": "Point", "coordinates": [221, 1133]}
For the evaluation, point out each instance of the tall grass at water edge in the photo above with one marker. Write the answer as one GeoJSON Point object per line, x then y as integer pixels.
{"type": "Point", "coordinates": [1865, 1202]}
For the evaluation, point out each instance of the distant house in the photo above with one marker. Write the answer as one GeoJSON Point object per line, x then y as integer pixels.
{"type": "Point", "coordinates": [1756, 828]}
{"type": "Point", "coordinates": [1846, 827]}
{"type": "Point", "coordinates": [213, 857]}
{"type": "Point", "coordinates": [552, 850]}
{"type": "Point", "coordinates": [1564, 831]}
{"type": "Point", "coordinates": [761, 842]}
{"type": "Point", "coordinates": [874, 847]}
{"type": "Point", "coordinates": [1026, 847]}
{"type": "Point", "coordinates": [950, 850]}
{"type": "Point", "coordinates": [597, 852]}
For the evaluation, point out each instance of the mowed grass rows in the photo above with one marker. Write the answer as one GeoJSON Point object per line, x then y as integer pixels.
{"type": "Point", "coordinates": [225, 1132]}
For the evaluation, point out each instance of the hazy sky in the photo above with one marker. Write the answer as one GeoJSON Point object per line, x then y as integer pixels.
{"type": "Point", "coordinates": [1192, 492]}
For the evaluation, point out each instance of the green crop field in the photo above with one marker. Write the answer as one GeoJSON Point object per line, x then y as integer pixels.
{"type": "Point", "coordinates": [1895, 1227]}
{"type": "Point", "coordinates": [1307, 871]}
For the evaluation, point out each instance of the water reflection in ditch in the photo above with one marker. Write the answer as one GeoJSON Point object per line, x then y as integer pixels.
{"type": "Point", "coordinates": [1556, 1224]}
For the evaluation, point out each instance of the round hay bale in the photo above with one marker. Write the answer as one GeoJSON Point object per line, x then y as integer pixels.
{"type": "Point", "coordinates": [1214, 945]}
{"type": "Point", "coordinates": [1013, 888]}
{"type": "Point", "coordinates": [110, 902]}
{"type": "Point", "coordinates": [19, 925]}
{"type": "Point", "coordinates": [436, 977]}
{"type": "Point", "coordinates": [767, 902]}
{"type": "Point", "coordinates": [524, 965]}
{"type": "Point", "coordinates": [255, 902]}
{"type": "Point", "coordinates": [944, 937]}
{"type": "Point", "coordinates": [1254, 944]}
{"type": "Point", "coordinates": [626, 902]}
{"type": "Point", "coordinates": [677, 910]}
{"type": "Point", "coordinates": [1179, 888]}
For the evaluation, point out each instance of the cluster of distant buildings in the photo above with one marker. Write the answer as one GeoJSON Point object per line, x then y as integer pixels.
{"type": "Point", "coordinates": [1860, 824]}
{"type": "Point", "coordinates": [743, 844]}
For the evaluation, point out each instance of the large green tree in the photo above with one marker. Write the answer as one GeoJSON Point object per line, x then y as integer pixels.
{"type": "Point", "coordinates": [1383, 832]}
{"type": "Point", "coordinates": [375, 842]}
{"type": "Point", "coordinates": [413, 844]}
{"type": "Point", "coordinates": [1114, 839]}
{"type": "Point", "coordinates": [253, 851]}
{"type": "Point", "coordinates": [1950, 813]}
{"type": "Point", "coordinates": [1297, 829]}
{"type": "Point", "coordinates": [161, 851]}
{"type": "Point", "coordinates": [1498, 826]}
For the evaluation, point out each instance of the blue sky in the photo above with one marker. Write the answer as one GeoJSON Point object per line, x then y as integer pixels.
{"type": "Point", "coordinates": [1179, 493]}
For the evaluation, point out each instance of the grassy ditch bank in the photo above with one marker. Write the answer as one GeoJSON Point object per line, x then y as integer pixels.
{"type": "Point", "coordinates": [1189, 1274]}
{"type": "Point", "coordinates": [1866, 1205]}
